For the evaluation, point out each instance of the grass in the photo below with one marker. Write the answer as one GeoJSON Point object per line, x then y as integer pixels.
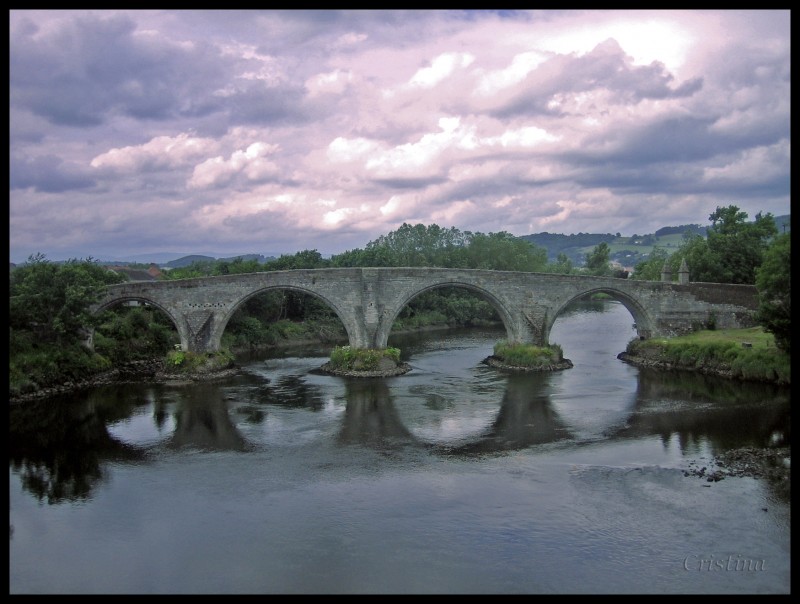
{"type": "Point", "coordinates": [362, 359]}
{"type": "Point", "coordinates": [745, 353]}
{"type": "Point", "coordinates": [527, 355]}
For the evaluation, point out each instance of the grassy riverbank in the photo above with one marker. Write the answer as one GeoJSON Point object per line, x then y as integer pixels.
{"type": "Point", "coordinates": [747, 354]}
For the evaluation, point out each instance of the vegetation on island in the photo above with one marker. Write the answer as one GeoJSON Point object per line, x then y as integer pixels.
{"type": "Point", "coordinates": [346, 358]}
{"type": "Point", "coordinates": [50, 302]}
{"type": "Point", "coordinates": [528, 356]}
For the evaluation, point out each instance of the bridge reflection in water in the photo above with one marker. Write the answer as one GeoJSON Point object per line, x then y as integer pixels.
{"type": "Point", "coordinates": [60, 448]}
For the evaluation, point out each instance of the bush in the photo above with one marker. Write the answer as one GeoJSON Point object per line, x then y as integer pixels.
{"type": "Point", "coordinates": [527, 355]}
{"type": "Point", "coordinates": [184, 361]}
{"type": "Point", "coordinates": [362, 359]}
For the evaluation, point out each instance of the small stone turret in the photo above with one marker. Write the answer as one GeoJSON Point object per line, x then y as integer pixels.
{"type": "Point", "coordinates": [666, 273]}
{"type": "Point", "coordinates": [683, 273]}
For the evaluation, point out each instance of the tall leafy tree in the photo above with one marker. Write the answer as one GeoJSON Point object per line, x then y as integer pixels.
{"type": "Point", "coordinates": [53, 300]}
{"type": "Point", "coordinates": [597, 260]}
{"type": "Point", "coordinates": [773, 281]}
{"type": "Point", "coordinates": [737, 244]}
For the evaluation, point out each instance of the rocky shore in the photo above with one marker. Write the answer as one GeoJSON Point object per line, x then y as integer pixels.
{"type": "Point", "coordinates": [498, 363]}
{"type": "Point", "coordinates": [382, 372]}
{"type": "Point", "coordinates": [152, 371]}
{"type": "Point", "coordinates": [773, 464]}
{"type": "Point", "coordinates": [655, 361]}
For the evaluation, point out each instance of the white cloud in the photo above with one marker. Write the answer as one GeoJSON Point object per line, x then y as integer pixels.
{"type": "Point", "coordinates": [251, 163]}
{"type": "Point", "coordinates": [160, 153]}
{"type": "Point", "coordinates": [441, 68]}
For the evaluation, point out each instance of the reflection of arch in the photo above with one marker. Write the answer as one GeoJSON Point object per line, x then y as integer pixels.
{"type": "Point", "coordinates": [384, 329]}
{"type": "Point", "coordinates": [642, 320]}
{"type": "Point", "coordinates": [526, 417]}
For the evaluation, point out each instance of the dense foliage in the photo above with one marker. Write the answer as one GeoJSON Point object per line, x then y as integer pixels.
{"type": "Point", "coordinates": [731, 252]}
{"type": "Point", "coordinates": [49, 307]}
{"type": "Point", "coordinates": [774, 283]}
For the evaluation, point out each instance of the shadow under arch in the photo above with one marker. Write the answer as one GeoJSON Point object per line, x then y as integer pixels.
{"type": "Point", "coordinates": [141, 300]}
{"type": "Point", "coordinates": [641, 319]}
{"type": "Point", "coordinates": [386, 323]}
{"type": "Point", "coordinates": [350, 328]}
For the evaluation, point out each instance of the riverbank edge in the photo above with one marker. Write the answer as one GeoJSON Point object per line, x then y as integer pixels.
{"type": "Point", "coordinates": [659, 361]}
{"type": "Point", "coordinates": [497, 363]}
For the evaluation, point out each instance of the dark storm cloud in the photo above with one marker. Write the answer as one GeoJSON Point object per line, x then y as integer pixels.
{"type": "Point", "coordinates": [48, 174]}
{"type": "Point", "coordinates": [93, 67]}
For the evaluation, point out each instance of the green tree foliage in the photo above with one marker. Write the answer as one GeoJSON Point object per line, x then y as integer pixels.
{"type": "Point", "coordinates": [731, 251]}
{"type": "Point", "coordinates": [53, 300]}
{"type": "Point", "coordinates": [650, 269]}
{"type": "Point", "coordinates": [432, 245]}
{"type": "Point", "coordinates": [597, 260]}
{"type": "Point", "coordinates": [773, 281]}
{"type": "Point", "coordinates": [739, 245]}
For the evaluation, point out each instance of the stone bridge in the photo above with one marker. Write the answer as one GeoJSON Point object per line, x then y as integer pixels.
{"type": "Point", "coordinates": [368, 300]}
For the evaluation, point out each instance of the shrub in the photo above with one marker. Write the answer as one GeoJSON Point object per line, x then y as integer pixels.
{"type": "Point", "coordinates": [527, 355]}
{"type": "Point", "coordinates": [362, 359]}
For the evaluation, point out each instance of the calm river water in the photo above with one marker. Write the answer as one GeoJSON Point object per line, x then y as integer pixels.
{"type": "Point", "coordinates": [454, 478]}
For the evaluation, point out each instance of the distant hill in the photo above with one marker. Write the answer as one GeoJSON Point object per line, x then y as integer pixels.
{"type": "Point", "coordinates": [628, 251]}
{"type": "Point", "coordinates": [188, 260]}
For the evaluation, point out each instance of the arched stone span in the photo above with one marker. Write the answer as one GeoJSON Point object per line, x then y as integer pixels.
{"type": "Point", "coordinates": [176, 320]}
{"type": "Point", "coordinates": [367, 300]}
{"type": "Point", "coordinates": [385, 328]}
{"type": "Point", "coordinates": [643, 322]}
{"type": "Point", "coordinates": [223, 321]}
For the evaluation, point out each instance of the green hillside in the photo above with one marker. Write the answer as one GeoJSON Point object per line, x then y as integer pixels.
{"type": "Point", "coordinates": [628, 251]}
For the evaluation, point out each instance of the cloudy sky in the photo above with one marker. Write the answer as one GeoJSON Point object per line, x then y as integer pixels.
{"type": "Point", "coordinates": [219, 132]}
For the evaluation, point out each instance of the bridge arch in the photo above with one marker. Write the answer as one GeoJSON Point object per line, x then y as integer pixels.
{"type": "Point", "coordinates": [351, 328]}
{"type": "Point", "coordinates": [385, 326]}
{"type": "Point", "coordinates": [641, 318]}
{"type": "Point", "coordinates": [179, 325]}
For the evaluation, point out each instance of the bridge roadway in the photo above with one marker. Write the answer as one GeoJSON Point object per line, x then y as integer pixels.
{"type": "Point", "coordinates": [368, 300]}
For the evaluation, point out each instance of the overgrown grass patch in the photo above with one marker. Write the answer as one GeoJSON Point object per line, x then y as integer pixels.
{"type": "Point", "coordinates": [528, 355]}
{"type": "Point", "coordinates": [746, 353]}
{"type": "Point", "coordinates": [362, 359]}
{"type": "Point", "coordinates": [183, 361]}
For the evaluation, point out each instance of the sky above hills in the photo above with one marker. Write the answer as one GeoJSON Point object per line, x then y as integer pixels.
{"type": "Point", "coordinates": [275, 131]}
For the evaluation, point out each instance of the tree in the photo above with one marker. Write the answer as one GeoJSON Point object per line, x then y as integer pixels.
{"type": "Point", "coordinates": [597, 260]}
{"type": "Point", "coordinates": [738, 245]}
{"type": "Point", "coordinates": [53, 300]}
{"type": "Point", "coordinates": [773, 281]}
{"type": "Point", "coordinates": [650, 268]}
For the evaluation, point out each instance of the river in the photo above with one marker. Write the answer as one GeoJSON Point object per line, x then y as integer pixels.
{"type": "Point", "coordinates": [454, 478]}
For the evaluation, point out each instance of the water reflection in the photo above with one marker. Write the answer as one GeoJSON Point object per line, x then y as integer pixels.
{"type": "Point", "coordinates": [203, 421]}
{"type": "Point", "coordinates": [59, 448]}
{"type": "Point", "coordinates": [700, 410]}
{"type": "Point", "coordinates": [526, 417]}
{"type": "Point", "coordinates": [370, 416]}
